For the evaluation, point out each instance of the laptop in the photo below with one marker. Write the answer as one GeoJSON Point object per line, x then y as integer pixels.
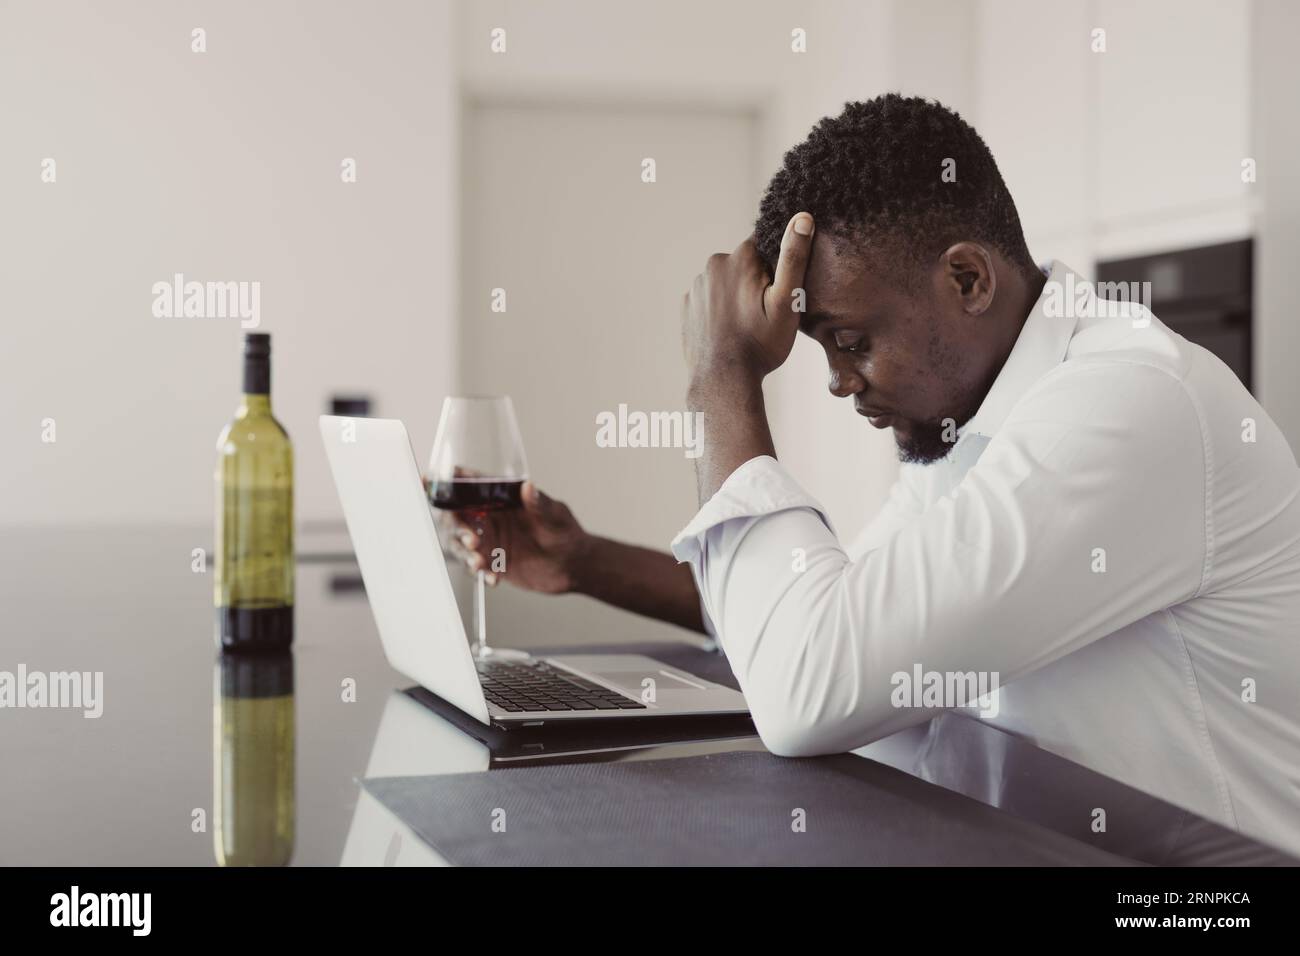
{"type": "Point", "coordinates": [390, 521]}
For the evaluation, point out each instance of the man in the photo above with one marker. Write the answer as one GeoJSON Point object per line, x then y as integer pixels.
{"type": "Point", "coordinates": [1093, 514]}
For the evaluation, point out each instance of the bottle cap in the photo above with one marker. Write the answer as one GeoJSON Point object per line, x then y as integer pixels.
{"type": "Point", "coordinates": [257, 344]}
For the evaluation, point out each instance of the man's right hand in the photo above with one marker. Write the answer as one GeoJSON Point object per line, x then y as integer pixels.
{"type": "Point", "coordinates": [541, 543]}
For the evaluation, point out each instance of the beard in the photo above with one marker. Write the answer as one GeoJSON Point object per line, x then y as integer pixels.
{"type": "Point", "coordinates": [923, 443]}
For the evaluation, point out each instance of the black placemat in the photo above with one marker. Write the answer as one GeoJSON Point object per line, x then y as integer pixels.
{"type": "Point", "coordinates": [720, 809]}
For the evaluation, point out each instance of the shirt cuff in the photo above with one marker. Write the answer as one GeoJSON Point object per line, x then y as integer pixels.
{"type": "Point", "coordinates": [761, 486]}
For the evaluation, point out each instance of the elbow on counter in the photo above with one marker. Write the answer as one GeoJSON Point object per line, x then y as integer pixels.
{"type": "Point", "coordinates": [793, 717]}
{"type": "Point", "coordinates": [787, 736]}
{"type": "Point", "coordinates": [789, 730]}
{"type": "Point", "coordinates": [803, 694]}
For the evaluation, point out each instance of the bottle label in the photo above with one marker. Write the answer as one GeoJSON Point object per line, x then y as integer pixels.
{"type": "Point", "coordinates": [255, 559]}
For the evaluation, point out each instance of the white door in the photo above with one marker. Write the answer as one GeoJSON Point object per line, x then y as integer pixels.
{"type": "Point", "coordinates": [593, 262]}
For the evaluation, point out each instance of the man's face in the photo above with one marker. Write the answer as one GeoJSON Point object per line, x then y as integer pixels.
{"type": "Point", "coordinates": [907, 360]}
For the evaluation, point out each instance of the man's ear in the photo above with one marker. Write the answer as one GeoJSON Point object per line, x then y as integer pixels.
{"type": "Point", "coordinates": [967, 274]}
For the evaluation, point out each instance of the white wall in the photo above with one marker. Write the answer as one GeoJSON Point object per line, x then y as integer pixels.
{"type": "Point", "coordinates": [1034, 81]}
{"type": "Point", "coordinates": [1173, 124]}
{"type": "Point", "coordinates": [591, 261]}
{"type": "Point", "coordinates": [1132, 150]}
{"type": "Point", "coordinates": [1276, 145]}
{"type": "Point", "coordinates": [933, 48]}
{"type": "Point", "coordinates": [224, 166]}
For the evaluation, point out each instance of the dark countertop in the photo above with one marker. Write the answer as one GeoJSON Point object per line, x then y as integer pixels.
{"type": "Point", "coordinates": [129, 786]}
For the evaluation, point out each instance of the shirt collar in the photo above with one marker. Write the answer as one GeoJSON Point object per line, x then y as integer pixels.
{"type": "Point", "coordinates": [1040, 347]}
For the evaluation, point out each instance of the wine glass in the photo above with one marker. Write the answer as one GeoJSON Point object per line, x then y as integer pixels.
{"type": "Point", "coordinates": [477, 467]}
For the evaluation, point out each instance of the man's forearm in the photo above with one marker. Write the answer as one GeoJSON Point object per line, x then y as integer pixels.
{"type": "Point", "coordinates": [735, 426]}
{"type": "Point", "coordinates": [640, 580]}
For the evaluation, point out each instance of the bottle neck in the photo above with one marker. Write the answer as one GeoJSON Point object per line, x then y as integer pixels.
{"type": "Point", "coordinates": [257, 385]}
{"type": "Point", "coordinates": [254, 404]}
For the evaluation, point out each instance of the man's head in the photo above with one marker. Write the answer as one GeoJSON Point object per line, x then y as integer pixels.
{"type": "Point", "coordinates": [920, 278]}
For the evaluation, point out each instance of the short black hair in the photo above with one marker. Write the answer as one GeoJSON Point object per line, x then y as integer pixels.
{"type": "Point", "coordinates": [872, 178]}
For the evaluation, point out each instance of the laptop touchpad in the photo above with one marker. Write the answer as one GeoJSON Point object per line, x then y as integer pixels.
{"type": "Point", "coordinates": [632, 682]}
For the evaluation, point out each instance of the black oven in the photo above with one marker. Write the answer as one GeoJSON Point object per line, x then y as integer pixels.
{"type": "Point", "coordinates": [1203, 294]}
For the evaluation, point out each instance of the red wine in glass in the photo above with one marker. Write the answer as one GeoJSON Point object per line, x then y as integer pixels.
{"type": "Point", "coordinates": [477, 496]}
{"type": "Point", "coordinates": [478, 468]}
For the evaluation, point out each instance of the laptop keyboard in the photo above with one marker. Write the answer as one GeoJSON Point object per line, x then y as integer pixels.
{"type": "Point", "coordinates": [526, 686]}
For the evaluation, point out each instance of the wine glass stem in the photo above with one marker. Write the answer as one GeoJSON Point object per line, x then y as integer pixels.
{"type": "Point", "coordinates": [480, 613]}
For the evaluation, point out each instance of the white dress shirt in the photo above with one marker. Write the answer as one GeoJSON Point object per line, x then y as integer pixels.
{"type": "Point", "coordinates": [1115, 534]}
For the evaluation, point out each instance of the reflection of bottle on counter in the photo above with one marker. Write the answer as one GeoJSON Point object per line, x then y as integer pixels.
{"type": "Point", "coordinates": [253, 760]}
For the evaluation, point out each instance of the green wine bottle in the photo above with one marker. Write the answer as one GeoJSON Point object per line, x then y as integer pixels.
{"type": "Point", "coordinates": [254, 478]}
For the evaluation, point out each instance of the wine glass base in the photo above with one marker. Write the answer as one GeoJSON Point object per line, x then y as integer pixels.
{"type": "Point", "coordinates": [499, 654]}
